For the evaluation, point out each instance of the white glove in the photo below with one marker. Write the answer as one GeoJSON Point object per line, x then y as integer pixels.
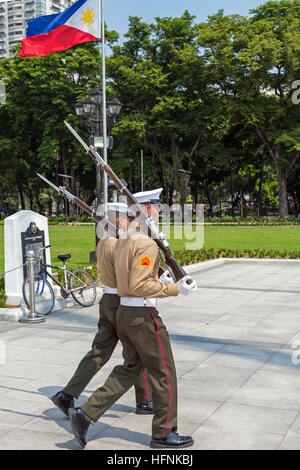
{"type": "Point", "coordinates": [184, 287]}
{"type": "Point", "coordinates": [165, 278]}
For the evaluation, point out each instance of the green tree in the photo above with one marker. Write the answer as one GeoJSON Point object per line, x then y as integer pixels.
{"type": "Point", "coordinates": [254, 63]}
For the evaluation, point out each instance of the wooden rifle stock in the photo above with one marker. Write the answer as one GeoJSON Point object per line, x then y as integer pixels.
{"type": "Point", "coordinates": [176, 268]}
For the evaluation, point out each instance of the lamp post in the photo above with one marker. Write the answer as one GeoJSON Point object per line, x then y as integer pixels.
{"type": "Point", "coordinates": [90, 112]}
{"type": "Point", "coordinates": [56, 158]}
{"type": "Point", "coordinates": [65, 179]}
{"type": "Point", "coordinates": [77, 194]}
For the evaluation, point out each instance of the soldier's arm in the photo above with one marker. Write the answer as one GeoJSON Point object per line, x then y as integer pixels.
{"type": "Point", "coordinates": [143, 277]}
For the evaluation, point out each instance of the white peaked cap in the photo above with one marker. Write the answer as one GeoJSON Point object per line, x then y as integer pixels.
{"type": "Point", "coordinates": [149, 196]}
{"type": "Point", "coordinates": [117, 207]}
{"type": "Point", "coordinates": [113, 207]}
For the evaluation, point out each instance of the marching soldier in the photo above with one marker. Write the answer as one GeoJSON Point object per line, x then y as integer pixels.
{"type": "Point", "coordinates": [106, 338]}
{"type": "Point", "coordinates": [143, 336]}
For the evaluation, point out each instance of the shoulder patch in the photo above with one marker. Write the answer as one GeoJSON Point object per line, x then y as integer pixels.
{"type": "Point", "coordinates": [145, 261]}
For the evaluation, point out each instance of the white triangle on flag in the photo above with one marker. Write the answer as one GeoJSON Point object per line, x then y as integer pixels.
{"type": "Point", "coordinates": [87, 18]}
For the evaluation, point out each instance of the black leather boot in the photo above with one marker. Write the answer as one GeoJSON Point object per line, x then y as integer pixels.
{"type": "Point", "coordinates": [172, 441]}
{"type": "Point", "coordinates": [63, 402]}
{"type": "Point", "coordinates": [144, 408]}
{"type": "Point", "coordinates": [79, 425]}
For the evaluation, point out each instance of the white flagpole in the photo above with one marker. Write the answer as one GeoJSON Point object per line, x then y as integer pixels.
{"type": "Point", "coordinates": [104, 126]}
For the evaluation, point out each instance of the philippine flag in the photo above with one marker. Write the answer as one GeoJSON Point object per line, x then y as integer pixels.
{"type": "Point", "coordinates": [53, 33]}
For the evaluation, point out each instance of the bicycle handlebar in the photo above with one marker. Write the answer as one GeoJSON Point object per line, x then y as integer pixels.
{"type": "Point", "coordinates": [44, 248]}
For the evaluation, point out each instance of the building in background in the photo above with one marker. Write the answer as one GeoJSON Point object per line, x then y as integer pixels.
{"type": "Point", "coordinates": [15, 14]}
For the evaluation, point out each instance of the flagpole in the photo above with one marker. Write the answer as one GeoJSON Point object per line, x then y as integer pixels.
{"type": "Point", "coordinates": [104, 127]}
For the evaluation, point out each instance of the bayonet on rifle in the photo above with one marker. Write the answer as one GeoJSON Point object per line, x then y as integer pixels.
{"type": "Point", "coordinates": [161, 241]}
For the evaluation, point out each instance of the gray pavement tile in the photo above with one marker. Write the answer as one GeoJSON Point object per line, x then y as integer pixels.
{"type": "Point", "coordinates": [238, 318]}
{"type": "Point", "coordinates": [295, 426]}
{"type": "Point", "coordinates": [16, 412]}
{"type": "Point", "coordinates": [212, 383]}
{"type": "Point", "coordinates": [275, 338]}
{"type": "Point", "coordinates": [256, 419]}
{"type": "Point", "coordinates": [4, 429]}
{"type": "Point", "coordinates": [182, 367]}
{"type": "Point", "coordinates": [115, 443]}
{"type": "Point", "coordinates": [82, 345]}
{"type": "Point", "coordinates": [271, 389]}
{"type": "Point", "coordinates": [280, 298]}
{"type": "Point", "coordinates": [243, 317]}
{"type": "Point", "coordinates": [290, 442]}
{"type": "Point", "coordinates": [53, 423]}
{"type": "Point", "coordinates": [39, 341]}
{"type": "Point", "coordinates": [284, 359]}
{"type": "Point", "coordinates": [226, 332]}
{"type": "Point", "coordinates": [197, 351]}
{"type": "Point", "coordinates": [24, 439]}
{"type": "Point", "coordinates": [133, 430]}
{"type": "Point", "coordinates": [244, 357]}
{"type": "Point", "coordinates": [22, 369]}
{"type": "Point", "coordinates": [192, 413]}
{"type": "Point", "coordinates": [210, 437]}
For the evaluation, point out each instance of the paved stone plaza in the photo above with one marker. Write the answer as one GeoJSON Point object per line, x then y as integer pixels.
{"type": "Point", "coordinates": [233, 343]}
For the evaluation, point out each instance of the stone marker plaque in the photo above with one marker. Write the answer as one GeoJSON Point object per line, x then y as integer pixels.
{"type": "Point", "coordinates": [32, 240]}
{"type": "Point", "coordinates": [18, 239]}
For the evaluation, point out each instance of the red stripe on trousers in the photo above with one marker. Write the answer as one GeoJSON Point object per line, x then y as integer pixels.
{"type": "Point", "coordinates": [146, 386]}
{"type": "Point", "coordinates": [165, 366]}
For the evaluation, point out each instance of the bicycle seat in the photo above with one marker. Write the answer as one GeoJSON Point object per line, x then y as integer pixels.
{"type": "Point", "coordinates": [64, 257]}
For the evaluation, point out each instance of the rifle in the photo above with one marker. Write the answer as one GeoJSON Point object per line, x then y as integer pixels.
{"type": "Point", "coordinates": [97, 218]}
{"type": "Point", "coordinates": [176, 269]}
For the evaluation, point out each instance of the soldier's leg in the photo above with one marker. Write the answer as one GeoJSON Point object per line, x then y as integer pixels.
{"type": "Point", "coordinates": [119, 381]}
{"type": "Point", "coordinates": [152, 343]}
{"type": "Point", "coordinates": [102, 348]}
{"type": "Point", "coordinates": [143, 389]}
{"type": "Point", "coordinates": [163, 359]}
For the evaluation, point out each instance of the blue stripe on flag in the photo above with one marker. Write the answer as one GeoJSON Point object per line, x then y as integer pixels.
{"type": "Point", "coordinates": [45, 24]}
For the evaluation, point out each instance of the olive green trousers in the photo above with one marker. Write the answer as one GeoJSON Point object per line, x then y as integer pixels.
{"type": "Point", "coordinates": [103, 346]}
{"type": "Point", "coordinates": [146, 344]}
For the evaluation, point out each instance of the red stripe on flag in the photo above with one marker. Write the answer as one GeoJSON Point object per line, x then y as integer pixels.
{"type": "Point", "coordinates": [57, 40]}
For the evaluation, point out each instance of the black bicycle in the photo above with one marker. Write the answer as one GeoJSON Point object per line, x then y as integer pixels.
{"type": "Point", "coordinates": [79, 283]}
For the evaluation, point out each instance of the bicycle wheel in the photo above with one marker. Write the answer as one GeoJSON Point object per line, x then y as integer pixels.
{"type": "Point", "coordinates": [82, 287]}
{"type": "Point", "coordinates": [44, 295]}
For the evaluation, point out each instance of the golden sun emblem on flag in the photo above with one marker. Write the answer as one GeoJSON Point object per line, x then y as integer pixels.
{"type": "Point", "coordinates": [87, 17]}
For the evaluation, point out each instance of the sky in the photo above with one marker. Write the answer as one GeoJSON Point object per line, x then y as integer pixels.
{"type": "Point", "coordinates": [116, 12]}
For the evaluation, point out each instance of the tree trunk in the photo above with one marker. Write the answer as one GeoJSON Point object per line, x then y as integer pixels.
{"type": "Point", "coordinates": [259, 202]}
{"type": "Point", "coordinates": [241, 203]}
{"type": "Point", "coordinates": [283, 200]}
{"type": "Point", "coordinates": [232, 195]}
{"type": "Point", "coordinates": [208, 198]}
{"type": "Point", "coordinates": [21, 197]}
{"type": "Point", "coordinates": [294, 196]}
{"type": "Point", "coordinates": [281, 174]}
{"type": "Point", "coordinates": [298, 200]}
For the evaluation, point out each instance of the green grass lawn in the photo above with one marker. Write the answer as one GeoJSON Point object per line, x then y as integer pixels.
{"type": "Point", "coordinates": [80, 240]}
{"type": "Point", "coordinates": [248, 238]}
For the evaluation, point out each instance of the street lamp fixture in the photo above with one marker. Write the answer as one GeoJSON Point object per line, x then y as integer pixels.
{"type": "Point", "coordinates": [114, 108]}
{"type": "Point", "coordinates": [90, 112]}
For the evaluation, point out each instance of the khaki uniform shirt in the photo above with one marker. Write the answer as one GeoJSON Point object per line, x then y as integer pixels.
{"type": "Point", "coordinates": [105, 253]}
{"type": "Point", "coordinates": [136, 265]}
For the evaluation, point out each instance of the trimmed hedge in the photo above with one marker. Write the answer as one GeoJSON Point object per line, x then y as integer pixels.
{"type": "Point", "coordinates": [268, 220]}
{"type": "Point", "coordinates": [3, 296]}
{"type": "Point", "coordinates": [186, 257]}
{"type": "Point", "coordinates": [62, 219]}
